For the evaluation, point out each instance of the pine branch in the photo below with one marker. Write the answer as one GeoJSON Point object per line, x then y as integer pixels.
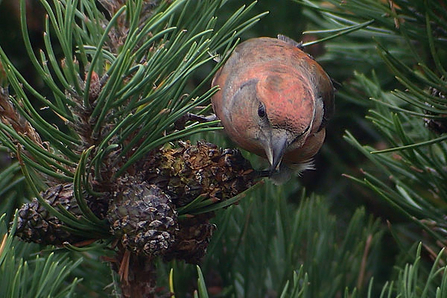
{"type": "Point", "coordinates": [261, 243]}
{"type": "Point", "coordinates": [118, 82]}
{"type": "Point", "coordinates": [411, 118]}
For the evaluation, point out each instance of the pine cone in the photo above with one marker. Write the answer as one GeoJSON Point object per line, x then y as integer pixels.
{"type": "Point", "coordinates": [144, 217]}
{"type": "Point", "coordinates": [189, 171]}
{"type": "Point", "coordinates": [36, 224]}
{"type": "Point", "coordinates": [186, 172]}
{"type": "Point", "coordinates": [192, 239]}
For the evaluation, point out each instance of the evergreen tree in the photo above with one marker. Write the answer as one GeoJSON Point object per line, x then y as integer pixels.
{"type": "Point", "coordinates": [119, 198]}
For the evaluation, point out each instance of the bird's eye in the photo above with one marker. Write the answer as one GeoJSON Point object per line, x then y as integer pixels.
{"type": "Point", "coordinates": [261, 110]}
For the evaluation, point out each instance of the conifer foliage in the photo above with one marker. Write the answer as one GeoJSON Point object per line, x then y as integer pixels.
{"type": "Point", "coordinates": [103, 191]}
{"type": "Point", "coordinates": [101, 168]}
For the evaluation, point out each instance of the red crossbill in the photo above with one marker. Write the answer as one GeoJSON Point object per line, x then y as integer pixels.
{"type": "Point", "coordinates": [274, 101]}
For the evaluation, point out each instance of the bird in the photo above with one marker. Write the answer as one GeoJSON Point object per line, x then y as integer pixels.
{"type": "Point", "coordinates": [274, 100]}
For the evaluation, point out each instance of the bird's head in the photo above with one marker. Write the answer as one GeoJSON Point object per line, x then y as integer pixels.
{"type": "Point", "coordinates": [285, 113]}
